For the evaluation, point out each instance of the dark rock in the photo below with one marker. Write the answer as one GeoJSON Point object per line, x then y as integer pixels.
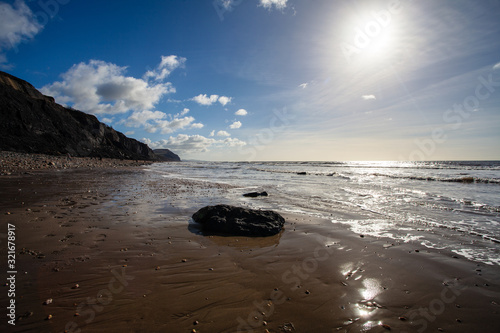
{"type": "Point", "coordinates": [167, 155]}
{"type": "Point", "coordinates": [255, 194]}
{"type": "Point", "coordinates": [237, 221]}
{"type": "Point", "coordinates": [31, 122]}
{"type": "Point", "coordinates": [302, 173]}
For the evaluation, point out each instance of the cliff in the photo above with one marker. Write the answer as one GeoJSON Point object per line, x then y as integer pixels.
{"type": "Point", "coordinates": [166, 155]}
{"type": "Point", "coordinates": [31, 122]}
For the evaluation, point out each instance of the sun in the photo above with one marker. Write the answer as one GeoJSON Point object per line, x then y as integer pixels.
{"type": "Point", "coordinates": [370, 37]}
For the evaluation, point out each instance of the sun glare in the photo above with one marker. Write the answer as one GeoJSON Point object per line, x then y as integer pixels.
{"type": "Point", "coordinates": [369, 37]}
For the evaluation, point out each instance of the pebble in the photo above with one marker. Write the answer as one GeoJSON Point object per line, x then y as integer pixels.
{"type": "Point", "coordinates": [49, 317]}
{"type": "Point", "coordinates": [76, 286]}
{"type": "Point", "coordinates": [47, 301]}
{"type": "Point", "coordinates": [184, 260]}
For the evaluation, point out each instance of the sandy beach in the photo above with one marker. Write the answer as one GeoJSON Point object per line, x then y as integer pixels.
{"type": "Point", "coordinates": [113, 250]}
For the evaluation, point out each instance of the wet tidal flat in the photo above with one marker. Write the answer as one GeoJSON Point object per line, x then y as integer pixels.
{"type": "Point", "coordinates": [115, 250]}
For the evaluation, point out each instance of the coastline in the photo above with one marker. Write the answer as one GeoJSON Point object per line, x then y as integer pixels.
{"type": "Point", "coordinates": [14, 163]}
{"type": "Point", "coordinates": [125, 239]}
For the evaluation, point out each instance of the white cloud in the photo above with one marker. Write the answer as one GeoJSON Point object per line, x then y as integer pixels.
{"type": "Point", "coordinates": [241, 112]}
{"type": "Point", "coordinates": [107, 120]}
{"type": "Point", "coordinates": [129, 133]}
{"type": "Point", "coordinates": [233, 142]}
{"type": "Point", "coordinates": [185, 144]}
{"type": "Point", "coordinates": [235, 125]}
{"type": "Point", "coordinates": [224, 100]}
{"type": "Point", "coordinates": [268, 4]}
{"type": "Point", "coordinates": [139, 118]}
{"type": "Point", "coordinates": [203, 99]}
{"type": "Point", "coordinates": [197, 126]}
{"type": "Point", "coordinates": [223, 133]}
{"type": "Point", "coordinates": [226, 4]}
{"type": "Point", "coordinates": [99, 87]}
{"type": "Point", "coordinates": [212, 133]}
{"type": "Point", "coordinates": [167, 65]}
{"type": "Point", "coordinates": [303, 85]}
{"type": "Point", "coordinates": [154, 121]}
{"type": "Point", "coordinates": [17, 24]}
{"type": "Point", "coordinates": [182, 113]}
{"type": "Point", "coordinates": [368, 97]}
{"type": "Point", "coordinates": [496, 66]}
{"type": "Point", "coordinates": [166, 127]}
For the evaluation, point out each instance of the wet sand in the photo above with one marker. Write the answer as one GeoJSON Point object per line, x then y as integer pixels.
{"type": "Point", "coordinates": [114, 250]}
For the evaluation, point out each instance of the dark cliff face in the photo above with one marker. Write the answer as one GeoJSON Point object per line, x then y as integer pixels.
{"type": "Point", "coordinates": [33, 123]}
{"type": "Point", "coordinates": [166, 155]}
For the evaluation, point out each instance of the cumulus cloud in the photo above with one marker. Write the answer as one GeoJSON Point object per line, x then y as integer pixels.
{"type": "Point", "coordinates": [17, 24]}
{"type": "Point", "coordinates": [233, 142]}
{"type": "Point", "coordinates": [226, 4]}
{"type": "Point", "coordinates": [368, 97]}
{"type": "Point", "coordinates": [182, 113]}
{"type": "Point", "coordinates": [241, 112]}
{"type": "Point", "coordinates": [167, 65]}
{"type": "Point", "coordinates": [212, 133]}
{"type": "Point", "coordinates": [496, 66]}
{"type": "Point", "coordinates": [170, 126]}
{"type": "Point", "coordinates": [139, 118]}
{"type": "Point", "coordinates": [100, 87]}
{"type": "Point", "coordinates": [197, 126]}
{"type": "Point", "coordinates": [224, 100]}
{"type": "Point", "coordinates": [157, 121]}
{"type": "Point", "coordinates": [235, 125]}
{"type": "Point", "coordinates": [204, 99]}
{"type": "Point", "coordinates": [268, 4]}
{"type": "Point", "coordinates": [185, 144]}
{"type": "Point", "coordinates": [223, 133]}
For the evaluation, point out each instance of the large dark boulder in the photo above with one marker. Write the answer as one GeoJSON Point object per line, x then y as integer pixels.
{"type": "Point", "coordinates": [237, 221]}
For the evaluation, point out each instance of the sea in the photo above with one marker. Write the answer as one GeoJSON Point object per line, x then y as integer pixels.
{"type": "Point", "coordinates": [446, 205]}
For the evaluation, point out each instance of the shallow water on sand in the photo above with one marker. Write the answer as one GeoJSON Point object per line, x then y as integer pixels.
{"type": "Point", "coordinates": [443, 205]}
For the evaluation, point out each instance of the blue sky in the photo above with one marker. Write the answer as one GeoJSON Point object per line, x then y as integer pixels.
{"type": "Point", "coordinates": [271, 79]}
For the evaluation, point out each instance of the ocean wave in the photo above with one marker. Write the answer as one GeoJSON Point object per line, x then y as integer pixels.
{"type": "Point", "coordinates": [464, 179]}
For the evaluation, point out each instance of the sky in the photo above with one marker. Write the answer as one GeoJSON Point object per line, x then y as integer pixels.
{"type": "Point", "coordinates": [260, 80]}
